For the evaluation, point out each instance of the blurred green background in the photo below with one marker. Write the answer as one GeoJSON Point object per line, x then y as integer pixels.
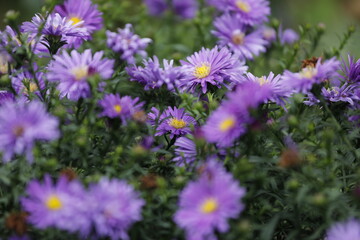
{"type": "Point", "coordinates": [337, 15]}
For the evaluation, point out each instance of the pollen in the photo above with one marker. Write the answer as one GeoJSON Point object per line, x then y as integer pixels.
{"type": "Point", "coordinates": [238, 38]}
{"type": "Point", "coordinates": [80, 72]}
{"type": "Point", "coordinates": [227, 124]}
{"type": "Point", "coordinates": [53, 203]}
{"type": "Point", "coordinates": [262, 81]}
{"type": "Point", "coordinates": [117, 108]}
{"type": "Point", "coordinates": [202, 71]}
{"type": "Point", "coordinates": [177, 123]}
{"type": "Point", "coordinates": [210, 205]}
{"type": "Point", "coordinates": [243, 6]}
{"type": "Point", "coordinates": [75, 20]}
{"type": "Point", "coordinates": [18, 131]}
{"type": "Point", "coordinates": [308, 72]}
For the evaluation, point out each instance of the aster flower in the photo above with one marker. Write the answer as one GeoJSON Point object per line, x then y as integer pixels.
{"type": "Point", "coordinates": [6, 96]}
{"type": "Point", "coordinates": [175, 121]}
{"type": "Point", "coordinates": [233, 33]}
{"type": "Point", "coordinates": [115, 207]}
{"type": "Point", "coordinates": [288, 36]}
{"type": "Point", "coordinates": [21, 125]}
{"type": "Point", "coordinates": [185, 151]}
{"type": "Point", "coordinates": [351, 70]}
{"type": "Point", "coordinates": [311, 100]}
{"type": "Point", "coordinates": [153, 116]}
{"type": "Point", "coordinates": [312, 74]}
{"type": "Point", "coordinates": [127, 44]}
{"type": "Point", "coordinates": [185, 8]}
{"type": "Point", "coordinates": [349, 230]}
{"type": "Point", "coordinates": [156, 7]}
{"type": "Point", "coordinates": [59, 205]}
{"type": "Point", "coordinates": [73, 71]}
{"type": "Point", "coordinates": [211, 66]}
{"type": "Point", "coordinates": [344, 93]}
{"type": "Point", "coordinates": [252, 12]}
{"type": "Point", "coordinates": [268, 34]}
{"type": "Point", "coordinates": [23, 82]}
{"type": "Point", "coordinates": [206, 204]}
{"type": "Point", "coordinates": [115, 106]}
{"type": "Point", "coordinates": [153, 76]}
{"type": "Point", "coordinates": [80, 11]}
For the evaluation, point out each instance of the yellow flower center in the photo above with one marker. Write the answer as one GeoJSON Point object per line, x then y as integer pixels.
{"type": "Point", "coordinates": [18, 131]}
{"type": "Point", "coordinates": [177, 123]}
{"type": "Point", "coordinates": [117, 108]}
{"type": "Point", "coordinates": [210, 205]}
{"type": "Point", "coordinates": [202, 71]}
{"type": "Point", "coordinates": [227, 124]}
{"type": "Point", "coordinates": [308, 72]}
{"type": "Point", "coordinates": [238, 38]}
{"type": "Point", "coordinates": [75, 20]}
{"type": "Point", "coordinates": [80, 72]}
{"type": "Point", "coordinates": [243, 6]}
{"type": "Point", "coordinates": [53, 203]}
{"type": "Point", "coordinates": [262, 81]}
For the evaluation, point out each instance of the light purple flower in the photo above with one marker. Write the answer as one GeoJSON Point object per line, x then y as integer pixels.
{"type": "Point", "coordinates": [73, 71]}
{"type": "Point", "coordinates": [23, 82]}
{"type": "Point", "coordinates": [185, 8]}
{"type": "Point", "coordinates": [211, 67]}
{"type": "Point", "coordinates": [127, 44]}
{"type": "Point", "coordinates": [21, 124]}
{"type": "Point", "coordinates": [252, 12]}
{"type": "Point", "coordinates": [115, 206]}
{"type": "Point", "coordinates": [156, 7]}
{"type": "Point", "coordinates": [351, 70]}
{"type": "Point", "coordinates": [114, 106]}
{"type": "Point", "coordinates": [185, 151]}
{"type": "Point", "coordinates": [268, 34]}
{"type": "Point", "coordinates": [80, 11]}
{"type": "Point", "coordinates": [344, 93]}
{"type": "Point", "coordinates": [61, 205]}
{"type": "Point", "coordinates": [349, 230]}
{"type": "Point", "coordinates": [311, 100]}
{"type": "Point", "coordinates": [207, 203]}
{"type": "Point", "coordinates": [6, 96]}
{"type": "Point", "coordinates": [174, 121]}
{"type": "Point", "coordinates": [232, 32]}
{"type": "Point", "coordinates": [288, 36]}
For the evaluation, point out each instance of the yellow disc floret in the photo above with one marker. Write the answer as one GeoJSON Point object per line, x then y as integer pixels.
{"type": "Point", "coordinates": [243, 6]}
{"type": "Point", "coordinates": [202, 71]}
{"type": "Point", "coordinates": [117, 108]}
{"type": "Point", "coordinates": [177, 123]}
{"type": "Point", "coordinates": [227, 124]}
{"type": "Point", "coordinates": [53, 203]}
{"type": "Point", "coordinates": [262, 81]}
{"type": "Point", "coordinates": [75, 20]}
{"type": "Point", "coordinates": [238, 38]}
{"type": "Point", "coordinates": [210, 205]}
{"type": "Point", "coordinates": [80, 72]}
{"type": "Point", "coordinates": [308, 72]}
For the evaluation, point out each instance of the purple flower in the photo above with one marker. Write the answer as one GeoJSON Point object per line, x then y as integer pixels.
{"type": "Point", "coordinates": [23, 82]}
{"type": "Point", "coordinates": [219, 4]}
{"type": "Point", "coordinates": [156, 7]}
{"type": "Point", "coordinates": [349, 230]}
{"type": "Point", "coordinates": [268, 34]}
{"type": "Point", "coordinates": [311, 100]}
{"type": "Point", "coordinates": [72, 72]}
{"type": "Point", "coordinates": [115, 207]}
{"type": "Point", "coordinates": [174, 121]}
{"type": "Point", "coordinates": [351, 70]}
{"type": "Point", "coordinates": [304, 80]}
{"type": "Point", "coordinates": [344, 93]}
{"type": "Point", "coordinates": [206, 204]}
{"type": "Point", "coordinates": [80, 11]}
{"type": "Point", "coordinates": [185, 8]}
{"type": "Point", "coordinates": [153, 76]}
{"type": "Point", "coordinates": [288, 36]}
{"type": "Point", "coordinates": [185, 151]}
{"type": "Point", "coordinates": [252, 12]}
{"type": "Point", "coordinates": [16, 237]}
{"type": "Point", "coordinates": [153, 116]}
{"type": "Point", "coordinates": [233, 33]}
{"type": "Point", "coordinates": [59, 205]}
{"type": "Point", "coordinates": [115, 106]}
{"type": "Point", "coordinates": [6, 96]}
{"type": "Point", "coordinates": [21, 124]}
{"type": "Point", "coordinates": [211, 66]}
{"type": "Point", "coordinates": [127, 44]}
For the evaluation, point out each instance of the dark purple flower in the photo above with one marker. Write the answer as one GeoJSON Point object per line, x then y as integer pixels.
{"type": "Point", "coordinates": [115, 206]}
{"type": "Point", "coordinates": [156, 7]}
{"type": "Point", "coordinates": [127, 44]}
{"type": "Point", "coordinates": [344, 93]}
{"type": "Point", "coordinates": [185, 8]}
{"type": "Point", "coordinates": [233, 33]}
{"type": "Point", "coordinates": [211, 66]}
{"type": "Point", "coordinates": [6, 96]}
{"type": "Point", "coordinates": [73, 71]}
{"type": "Point", "coordinates": [351, 70]}
{"type": "Point", "coordinates": [114, 106]}
{"type": "Point", "coordinates": [349, 230]}
{"type": "Point", "coordinates": [21, 124]}
{"type": "Point", "coordinates": [207, 203]}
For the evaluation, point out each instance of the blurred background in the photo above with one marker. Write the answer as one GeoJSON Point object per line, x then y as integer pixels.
{"type": "Point", "coordinates": [337, 15]}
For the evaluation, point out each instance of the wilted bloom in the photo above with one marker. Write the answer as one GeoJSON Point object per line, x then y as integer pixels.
{"type": "Point", "coordinates": [23, 82]}
{"type": "Point", "coordinates": [185, 8]}
{"type": "Point", "coordinates": [21, 124]}
{"type": "Point", "coordinates": [349, 230]}
{"type": "Point", "coordinates": [252, 12]}
{"type": "Point", "coordinates": [208, 203]}
{"type": "Point", "coordinates": [174, 121]}
{"type": "Point", "coordinates": [156, 7]}
{"type": "Point", "coordinates": [152, 75]}
{"type": "Point", "coordinates": [312, 74]}
{"type": "Point", "coordinates": [61, 205]}
{"type": "Point", "coordinates": [351, 70]}
{"type": "Point", "coordinates": [288, 36]}
{"type": "Point", "coordinates": [185, 151]}
{"type": "Point", "coordinates": [233, 33]}
{"type": "Point", "coordinates": [114, 106]}
{"type": "Point", "coordinates": [80, 11]}
{"type": "Point", "coordinates": [127, 43]}
{"type": "Point", "coordinates": [344, 93]}
{"type": "Point", "coordinates": [73, 71]}
{"type": "Point", "coordinates": [115, 207]}
{"type": "Point", "coordinates": [213, 67]}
